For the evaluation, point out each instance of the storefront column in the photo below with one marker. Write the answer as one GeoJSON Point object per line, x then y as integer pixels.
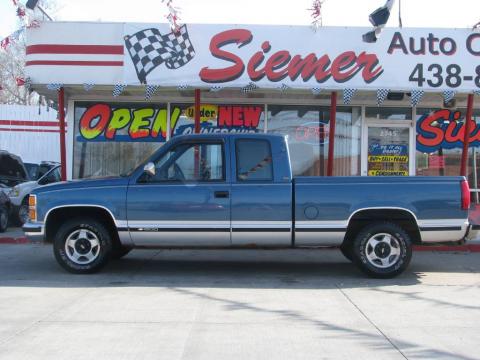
{"type": "Point", "coordinates": [466, 136]}
{"type": "Point", "coordinates": [331, 134]}
{"type": "Point", "coordinates": [61, 114]}
{"type": "Point", "coordinates": [197, 111]}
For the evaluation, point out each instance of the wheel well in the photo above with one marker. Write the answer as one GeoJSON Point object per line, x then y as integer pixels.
{"type": "Point", "coordinates": [58, 216]}
{"type": "Point", "coordinates": [403, 218]}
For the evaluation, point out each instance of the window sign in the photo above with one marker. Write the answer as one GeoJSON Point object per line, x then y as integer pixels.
{"type": "Point", "coordinates": [218, 119]}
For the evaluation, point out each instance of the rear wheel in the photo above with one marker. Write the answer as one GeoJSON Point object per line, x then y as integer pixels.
{"type": "Point", "coordinates": [82, 246]}
{"type": "Point", "coordinates": [382, 250]}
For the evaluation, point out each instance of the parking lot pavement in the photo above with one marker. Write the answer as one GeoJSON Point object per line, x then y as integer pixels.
{"type": "Point", "coordinates": [242, 304]}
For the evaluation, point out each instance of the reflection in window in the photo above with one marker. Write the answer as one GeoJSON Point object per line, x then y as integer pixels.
{"type": "Point", "coordinates": [308, 128]}
{"type": "Point", "coordinates": [190, 162]}
{"type": "Point", "coordinates": [388, 113]}
{"type": "Point", "coordinates": [254, 160]}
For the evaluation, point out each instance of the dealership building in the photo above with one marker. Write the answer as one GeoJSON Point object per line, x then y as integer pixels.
{"type": "Point", "coordinates": [395, 107]}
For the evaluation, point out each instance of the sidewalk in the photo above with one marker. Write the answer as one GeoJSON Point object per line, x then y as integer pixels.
{"type": "Point", "coordinates": [15, 236]}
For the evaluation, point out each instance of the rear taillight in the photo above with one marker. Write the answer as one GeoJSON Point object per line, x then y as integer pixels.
{"type": "Point", "coordinates": [465, 195]}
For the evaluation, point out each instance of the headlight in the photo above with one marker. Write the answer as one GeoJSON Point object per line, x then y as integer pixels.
{"type": "Point", "coordinates": [14, 192]}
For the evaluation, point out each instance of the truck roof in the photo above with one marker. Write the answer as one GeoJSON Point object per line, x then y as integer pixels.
{"type": "Point", "coordinates": [224, 136]}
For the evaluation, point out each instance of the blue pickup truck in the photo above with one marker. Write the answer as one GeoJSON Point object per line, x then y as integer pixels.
{"type": "Point", "coordinates": [237, 191]}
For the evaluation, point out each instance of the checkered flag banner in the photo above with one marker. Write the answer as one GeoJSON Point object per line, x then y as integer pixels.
{"type": "Point", "coordinates": [348, 94]}
{"type": "Point", "coordinates": [216, 88]}
{"type": "Point", "coordinates": [150, 90]}
{"type": "Point", "coordinates": [382, 95]}
{"type": "Point", "coordinates": [316, 91]}
{"type": "Point", "coordinates": [183, 87]}
{"type": "Point", "coordinates": [250, 87]}
{"type": "Point", "coordinates": [88, 87]}
{"type": "Point", "coordinates": [149, 48]}
{"type": "Point", "coordinates": [54, 87]}
{"type": "Point", "coordinates": [283, 87]}
{"type": "Point", "coordinates": [476, 92]}
{"type": "Point", "coordinates": [416, 97]}
{"type": "Point", "coordinates": [448, 95]}
{"type": "Point", "coordinates": [118, 89]}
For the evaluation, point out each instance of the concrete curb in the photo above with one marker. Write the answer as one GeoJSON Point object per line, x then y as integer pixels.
{"type": "Point", "coordinates": [461, 248]}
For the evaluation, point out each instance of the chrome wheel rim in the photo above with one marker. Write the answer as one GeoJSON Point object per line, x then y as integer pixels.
{"type": "Point", "coordinates": [82, 247]}
{"type": "Point", "coordinates": [382, 250]}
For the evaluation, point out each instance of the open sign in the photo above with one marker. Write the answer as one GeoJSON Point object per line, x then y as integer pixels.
{"type": "Point", "coordinates": [312, 133]}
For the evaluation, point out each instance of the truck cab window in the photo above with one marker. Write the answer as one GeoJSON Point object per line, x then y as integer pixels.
{"type": "Point", "coordinates": [254, 160]}
{"type": "Point", "coordinates": [191, 162]}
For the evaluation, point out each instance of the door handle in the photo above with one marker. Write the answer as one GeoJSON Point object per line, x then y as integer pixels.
{"type": "Point", "coordinates": [222, 194]}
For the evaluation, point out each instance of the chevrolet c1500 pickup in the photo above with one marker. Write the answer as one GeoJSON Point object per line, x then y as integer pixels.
{"type": "Point", "coordinates": [237, 191]}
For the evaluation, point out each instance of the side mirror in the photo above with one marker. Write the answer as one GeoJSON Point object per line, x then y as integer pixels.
{"type": "Point", "coordinates": [149, 169]}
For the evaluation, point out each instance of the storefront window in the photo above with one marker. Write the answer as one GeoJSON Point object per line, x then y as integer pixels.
{"type": "Point", "coordinates": [388, 113]}
{"type": "Point", "coordinates": [308, 128]}
{"type": "Point", "coordinates": [217, 118]}
{"type": "Point", "coordinates": [440, 143]}
{"type": "Point", "coordinates": [111, 139]}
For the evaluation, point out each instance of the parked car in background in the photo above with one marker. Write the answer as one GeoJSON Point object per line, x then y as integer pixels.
{"type": "Point", "coordinates": [36, 171]}
{"type": "Point", "coordinates": [19, 193]}
{"type": "Point", "coordinates": [12, 170]}
{"type": "Point", "coordinates": [5, 207]}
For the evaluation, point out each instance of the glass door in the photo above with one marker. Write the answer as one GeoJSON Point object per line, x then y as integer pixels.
{"type": "Point", "coordinates": [387, 149]}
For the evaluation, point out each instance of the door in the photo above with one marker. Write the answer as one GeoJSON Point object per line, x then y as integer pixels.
{"type": "Point", "coordinates": [186, 202]}
{"type": "Point", "coordinates": [261, 197]}
{"type": "Point", "coordinates": [387, 149]}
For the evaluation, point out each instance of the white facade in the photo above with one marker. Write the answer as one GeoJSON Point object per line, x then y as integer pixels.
{"type": "Point", "coordinates": [30, 132]}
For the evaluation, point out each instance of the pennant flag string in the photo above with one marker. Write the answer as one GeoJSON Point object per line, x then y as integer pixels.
{"type": "Point", "coordinates": [150, 91]}
{"type": "Point", "coordinates": [348, 94]}
{"type": "Point", "coordinates": [416, 96]}
{"type": "Point", "coordinates": [448, 95]}
{"type": "Point", "coordinates": [118, 90]}
{"type": "Point", "coordinates": [382, 95]}
{"type": "Point", "coordinates": [250, 87]}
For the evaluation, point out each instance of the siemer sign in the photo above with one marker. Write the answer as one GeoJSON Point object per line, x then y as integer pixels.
{"type": "Point", "coordinates": [330, 58]}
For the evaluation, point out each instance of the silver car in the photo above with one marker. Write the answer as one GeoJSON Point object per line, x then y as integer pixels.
{"type": "Point", "coordinates": [19, 193]}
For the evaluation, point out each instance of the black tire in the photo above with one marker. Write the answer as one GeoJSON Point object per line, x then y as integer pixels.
{"type": "Point", "coordinates": [346, 249]}
{"type": "Point", "coordinates": [382, 250]}
{"type": "Point", "coordinates": [22, 215]}
{"type": "Point", "coordinates": [119, 251]}
{"type": "Point", "coordinates": [3, 219]}
{"type": "Point", "coordinates": [93, 232]}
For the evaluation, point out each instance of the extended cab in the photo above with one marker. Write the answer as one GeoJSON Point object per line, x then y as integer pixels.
{"type": "Point", "coordinates": [237, 191]}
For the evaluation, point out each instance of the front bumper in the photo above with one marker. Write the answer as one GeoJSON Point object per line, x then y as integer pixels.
{"type": "Point", "coordinates": [34, 231]}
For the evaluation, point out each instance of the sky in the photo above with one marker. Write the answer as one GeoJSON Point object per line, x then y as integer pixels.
{"type": "Point", "coordinates": [415, 13]}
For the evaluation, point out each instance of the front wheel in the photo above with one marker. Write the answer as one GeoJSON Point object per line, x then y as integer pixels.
{"type": "Point", "coordinates": [82, 246]}
{"type": "Point", "coordinates": [3, 219]}
{"type": "Point", "coordinates": [382, 250]}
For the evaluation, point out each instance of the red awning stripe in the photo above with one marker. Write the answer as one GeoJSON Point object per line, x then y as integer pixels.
{"type": "Point", "coordinates": [29, 123]}
{"type": "Point", "coordinates": [75, 49]}
{"type": "Point", "coordinates": [74, 63]}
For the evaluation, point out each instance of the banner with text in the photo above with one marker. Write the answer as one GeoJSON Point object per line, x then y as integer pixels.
{"type": "Point", "coordinates": [295, 56]}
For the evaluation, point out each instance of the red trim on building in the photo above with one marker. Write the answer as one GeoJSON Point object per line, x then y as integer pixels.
{"type": "Point", "coordinates": [31, 130]}
{"type": "Point", "coordinates": [73, 63]}
{"type": "Point", "coordinates": [75, 49]}
{"type": "Point", "coordinates": [29, 123]}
